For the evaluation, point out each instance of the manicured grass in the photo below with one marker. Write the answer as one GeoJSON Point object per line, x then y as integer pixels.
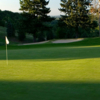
{"type": "Point", "coordinates": [48, 72]}
{"type": "Point", "coordinates": [85, 42]}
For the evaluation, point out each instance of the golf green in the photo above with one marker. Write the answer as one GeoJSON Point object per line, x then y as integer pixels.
{"type": "Point", "coordinates": [54, 73]}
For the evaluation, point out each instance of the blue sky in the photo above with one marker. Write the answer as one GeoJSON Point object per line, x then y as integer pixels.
{"type": "Point", "coordinates": [13, 5]}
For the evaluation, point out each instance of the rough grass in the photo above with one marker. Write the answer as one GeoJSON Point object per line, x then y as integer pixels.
{"type": "Point", "coordinates": [51, 71]}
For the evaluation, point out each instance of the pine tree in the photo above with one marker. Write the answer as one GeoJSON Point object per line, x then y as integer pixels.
{"type": "Point", "coordinates": [35, 12]}
{"type": "Point", "coordinates": [76, 13]}
{"type": "Point", "coordinates": [30, 14]}
{"type": "Point", "coordinates": [44, 11]}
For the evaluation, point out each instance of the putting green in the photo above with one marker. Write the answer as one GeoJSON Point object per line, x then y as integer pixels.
{"type": "Point", "coordinates": [80, 70]}
{"type": "Point", "coordinates": [54, 73]}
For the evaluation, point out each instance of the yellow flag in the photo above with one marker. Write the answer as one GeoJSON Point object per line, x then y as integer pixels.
{"type": "Point", "coordinates": [7, 41]}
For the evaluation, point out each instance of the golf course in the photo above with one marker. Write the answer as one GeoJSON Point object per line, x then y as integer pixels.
{"type": "Point", "coordinates": [64, 71]}
{"type": "Point", "coordinates": [50, 50]}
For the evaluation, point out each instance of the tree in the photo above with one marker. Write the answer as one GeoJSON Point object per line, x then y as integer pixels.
{"type": "Point", "coordinates": [10, 29]}
{"type": "Point", "coordinates": [21, 28]}
{"type": "Point", "coordinates": [95, 10]}
{"type": "Point", "coordinates": [2, 23]}
{"type": "Point", "coordinates": [35, 12]}
{"type": "Point", "coordinates": [44, 11]}
{"type": "Point", "coordinates": [30, 15]}
{"type": "Point", "coordinates": [44, 19]}
{"type": "Point", "coordinates": [76, 14]}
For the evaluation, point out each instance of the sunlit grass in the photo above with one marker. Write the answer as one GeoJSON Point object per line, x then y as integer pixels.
{"type": "Point", "coordinates": [53, 73]}
{"type": "Point", "coordinates": [79, 70]}
{"type": "Point", "coordinates": [51, 64]}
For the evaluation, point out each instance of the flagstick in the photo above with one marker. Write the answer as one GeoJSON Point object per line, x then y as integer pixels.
{"type": "Point", "coordinates": [6, 53]}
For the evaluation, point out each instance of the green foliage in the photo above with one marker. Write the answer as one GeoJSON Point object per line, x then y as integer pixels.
{"type": "Point", "coordinates": [10, 29]}
{"type": "Point", "coordinates": [21, 35]}
{"type": "Point", "coordinates": [2, 23]}
{"type": "Point", "coordinates": [2, 31]}
{"type": "Point", "coordinates": [61, 32]}
{"type": "Point", "coordinates": [9, 20]}
{"type": "Point", "coordinates": [35, 13]}
{"type": "Point", "coordinates": [50, 35]}
{"type": "Point", "coordinates": [76, 14]}
{"type": "Point", "coordinates": [51, 31]}
{"type": "Point", "coordinates": [94, 24]}
{"type": "Point", "coordinates": [21, 28]}
{"type": "Point", "coordinates": [5, 16]}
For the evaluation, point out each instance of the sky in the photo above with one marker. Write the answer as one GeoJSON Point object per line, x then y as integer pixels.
{"type": "Point", "coordinates": [14, 5]}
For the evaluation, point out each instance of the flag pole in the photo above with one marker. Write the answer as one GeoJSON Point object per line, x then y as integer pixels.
{"type": "Point", "coordinates": [6, 53]}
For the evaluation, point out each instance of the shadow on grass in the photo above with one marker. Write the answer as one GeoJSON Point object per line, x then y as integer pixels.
{"type": "Point", "coordinates": [10, 90]}
{"type": "Point", "coordinates": [59, 53]}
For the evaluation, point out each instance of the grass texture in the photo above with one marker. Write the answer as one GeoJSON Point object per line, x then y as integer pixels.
{"type": "Point", "coordinates": [48, 72]}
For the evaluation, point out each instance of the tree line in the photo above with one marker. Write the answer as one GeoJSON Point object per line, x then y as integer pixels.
{"type": "Point", "coordinates": [9, 20]}
{"type": "Point", "coordinates": [76, 21]}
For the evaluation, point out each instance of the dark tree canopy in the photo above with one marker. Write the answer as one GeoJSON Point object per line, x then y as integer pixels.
{"type": "Point", "coordinates": [6, 15]}
{"type": "Point", "coordinates": [10, 29]}
{"type": "Point", "coordinates": [76, 13]}
{"type": "Point", "coordinates": [35, 12]}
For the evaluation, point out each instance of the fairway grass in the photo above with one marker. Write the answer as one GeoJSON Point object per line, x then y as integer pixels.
{"type": "Point", "coordinates": [81, 70]}
{"type": "Point", "coordinates": [60, 73]}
